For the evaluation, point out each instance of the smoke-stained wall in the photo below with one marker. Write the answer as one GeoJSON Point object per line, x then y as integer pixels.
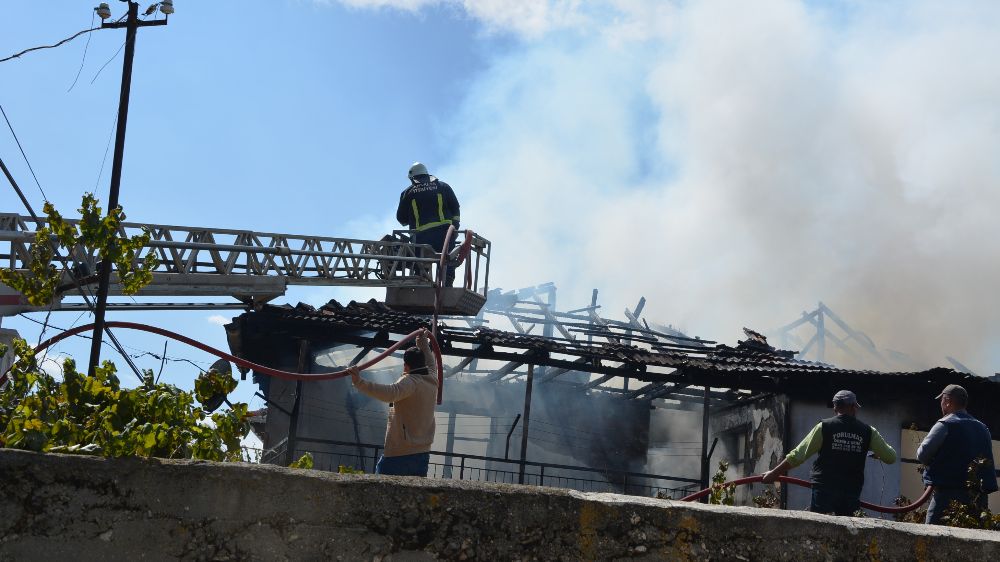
{"type": "Point", "coordinates": [675, 442]}
{"type": "Point", "coordinates": [751, 438]}
{"type": "Point", "coordinates": [567, 425]}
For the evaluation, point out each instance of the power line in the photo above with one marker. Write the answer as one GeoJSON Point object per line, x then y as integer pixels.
{"type": "Point", "coordinates": [87, 46]}
{"type": "Point", "coordinates": [18, 141]}
{"type": "Point", "coordinates": [65, 262]}
{"type": "Point", "coordinates": [72, 37]}
{"type": "Point", "coordinates": [118, 349]}
{"type": "Point", "coordinates": [106, 148]}
{"type": "Point", "coordinates": [113, 57]}
{"type": "Point", "coordinates": [141, 352]}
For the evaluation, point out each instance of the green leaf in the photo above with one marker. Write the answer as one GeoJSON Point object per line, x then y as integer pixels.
{"type": "Point", "coordinates": [305, 461]}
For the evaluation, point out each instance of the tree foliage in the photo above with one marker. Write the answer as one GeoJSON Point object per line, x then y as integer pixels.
{"type": "Point", "coordinates": [768, 499]}
{"type": "Point", "coordinates": [722, 493]}
{"type": "Point", "coordinates": [95, 415]}
{"type": "Point", "coordinates": [972, 515]}
{"type": "Point", "coordinates": [305, 461]}
{"type": "Point", "coordinates": [95, 234]}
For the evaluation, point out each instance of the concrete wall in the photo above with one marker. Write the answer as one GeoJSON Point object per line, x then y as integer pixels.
{"type": "Point", "coordinates": [83, 508]}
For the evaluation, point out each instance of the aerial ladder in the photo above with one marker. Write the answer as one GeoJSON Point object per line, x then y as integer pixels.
{"type": "Point", "coordinates": [256, 267]}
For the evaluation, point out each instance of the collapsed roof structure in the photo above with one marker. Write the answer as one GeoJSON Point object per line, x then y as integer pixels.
{"type": "Point", "coordinates": [651, 364]}
{"type": "Point", "coordinates": [585, 373]}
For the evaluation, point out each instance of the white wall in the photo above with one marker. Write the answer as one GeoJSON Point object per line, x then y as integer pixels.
{"type": "Point", "coordinates": [6, 338]}
{"type": "Point", "coordinates": [912, 481]}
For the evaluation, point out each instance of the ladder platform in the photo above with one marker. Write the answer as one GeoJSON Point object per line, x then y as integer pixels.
{"type": "Point", "coordinates": [455, 301]}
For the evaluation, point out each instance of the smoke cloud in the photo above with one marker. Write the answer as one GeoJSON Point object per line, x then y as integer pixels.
{"type": "Point", "coordinates": [736, 162]}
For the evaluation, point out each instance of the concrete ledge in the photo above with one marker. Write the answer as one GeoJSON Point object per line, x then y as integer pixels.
{"type": "Point", "coordinates": [84, 508]}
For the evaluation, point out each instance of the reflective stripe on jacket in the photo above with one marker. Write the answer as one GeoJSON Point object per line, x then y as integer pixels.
{"type": "Point", "coordinates": [428, 204]}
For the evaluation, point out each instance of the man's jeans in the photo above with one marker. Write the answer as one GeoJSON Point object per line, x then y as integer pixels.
{"type": "Point", "coordinates": [825, 500]}
{"type": "Point", "coordinates": [942, 498]}
{"type": "Point", "coordinates": [404, 465]}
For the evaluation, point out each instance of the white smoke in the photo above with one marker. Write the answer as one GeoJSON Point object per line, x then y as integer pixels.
{"type": "Point", "coordinates": [736, 162]}
{"type": "Point", "coordinates": [531, 18]}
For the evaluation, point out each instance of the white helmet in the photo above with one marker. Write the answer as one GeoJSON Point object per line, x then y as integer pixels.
{"type": "Point", "coordinates": [418, 169]}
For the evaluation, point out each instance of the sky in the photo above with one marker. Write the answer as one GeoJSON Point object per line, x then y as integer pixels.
{"type": "Point", "coordinates": [733, 162]}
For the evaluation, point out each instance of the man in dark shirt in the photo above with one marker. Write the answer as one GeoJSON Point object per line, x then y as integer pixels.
{"type": "Point", "coordinates": [955, 441]}
{"type": "Point", "coordinates": [429, 207]}
{"type": "Point", "coordinates": [839, 471]}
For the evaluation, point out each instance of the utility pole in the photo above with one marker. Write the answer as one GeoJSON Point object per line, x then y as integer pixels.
{"type": "Point", "coordinates": [131, 25]}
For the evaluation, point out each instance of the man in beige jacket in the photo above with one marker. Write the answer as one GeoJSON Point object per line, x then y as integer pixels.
{"type": "Point", "coordinates": [410, 428]}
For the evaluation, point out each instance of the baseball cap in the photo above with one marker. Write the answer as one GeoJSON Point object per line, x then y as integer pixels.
{"type": "Point", "coordinates": [845, 397]}
{"type": "Point", "coordinates": [954, 390]}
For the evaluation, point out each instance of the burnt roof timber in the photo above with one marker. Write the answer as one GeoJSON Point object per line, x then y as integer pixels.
{"type": "Point", "coordinates": [699, 393]}
{"type": "Point", "coordinates": [698, 403]}
{"type": "Point", "coordinates": [506, 369]}
{"type": "Point", "coordinates": [553, 373]}
{"type": "Point", "coordinates": [598, 382]}
{"type": "Point", "coordinates": [458, 368]}
{"type": "Point", "coordinates": [719, 366]}
{"type": "Point", "coordinates": [651, 387]}
{"type": "Point", "coordinates": [662, 393]}
{"type": "Point", "coordinates": [548, 361]}
{"type": "Point", "coordinates": [591, 320]}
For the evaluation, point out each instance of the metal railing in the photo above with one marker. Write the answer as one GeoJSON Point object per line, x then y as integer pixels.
{"type": "Point", "coordinates": [331, 455]}
{"type": "Point", "coordinates": [244, 255]}
{"type": "Point", "coordinates": [275, 455]}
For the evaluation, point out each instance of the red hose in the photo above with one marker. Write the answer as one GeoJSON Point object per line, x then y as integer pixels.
{"type": "Point", "coordinates": [805, 484]}
{"type": "Point", "coordinates": [285, 375]}
{"type": "Point", "coordinates": [439, 285]}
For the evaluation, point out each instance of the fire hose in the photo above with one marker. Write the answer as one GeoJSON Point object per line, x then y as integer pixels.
{"type": "Point", "coordinates": [806, 484]}
{"type": "Point", "coordinates": [287, 375]}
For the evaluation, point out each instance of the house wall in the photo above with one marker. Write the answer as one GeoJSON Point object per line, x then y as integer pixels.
{"type": "Point", "coordinates": [567, 425]}
{"type": "Point", "coordinates": [912, 484]}
{"type": "Point", "coordinates": [675, 442]}
{"type": "Point", "coordinates": [753, 431]}
{"type": "Point", "coordinates": [7, 338]}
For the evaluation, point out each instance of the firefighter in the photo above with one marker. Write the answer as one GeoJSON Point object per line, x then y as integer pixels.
{"type": "Point", "coordinates": [429, 207]}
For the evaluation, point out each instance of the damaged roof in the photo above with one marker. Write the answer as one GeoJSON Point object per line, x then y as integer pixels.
{"type": "Point", "coordinates": [751, 365]}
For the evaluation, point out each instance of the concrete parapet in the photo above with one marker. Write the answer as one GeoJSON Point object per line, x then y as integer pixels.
{"type": "Point", "coordinates": [62, 507]}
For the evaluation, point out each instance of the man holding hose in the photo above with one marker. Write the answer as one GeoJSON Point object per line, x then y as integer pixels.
{"type": "Point", "coordinates": [409, 431]}
{"type": "Point", "coordinates": [839, 471]}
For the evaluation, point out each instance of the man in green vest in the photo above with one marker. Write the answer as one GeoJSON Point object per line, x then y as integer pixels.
{"type": "Point", "coordinates": [842, 443]}
{"type": "Point", "coordinates": [429, 207]}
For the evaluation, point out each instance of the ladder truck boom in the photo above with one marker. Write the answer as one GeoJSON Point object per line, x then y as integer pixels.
{"type": "Point", "coordinates": [255, 267]}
